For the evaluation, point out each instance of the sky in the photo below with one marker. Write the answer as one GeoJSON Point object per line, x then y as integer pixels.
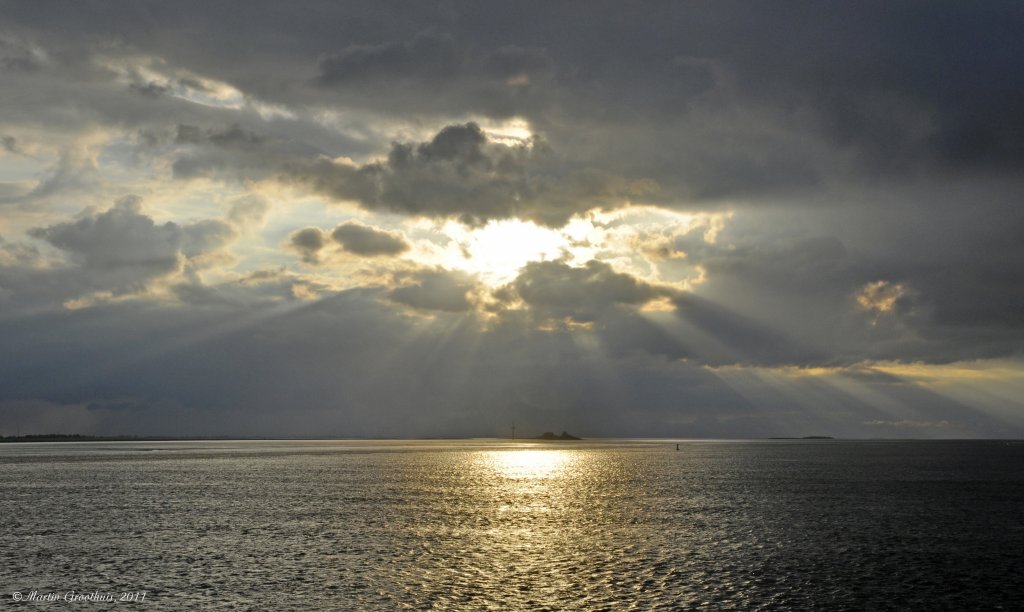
{"type": "Point", "coordinates": [665, 219]}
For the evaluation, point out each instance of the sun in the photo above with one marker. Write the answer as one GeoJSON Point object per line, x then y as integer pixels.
{"type": "Point", "coordinates": [497, 251]}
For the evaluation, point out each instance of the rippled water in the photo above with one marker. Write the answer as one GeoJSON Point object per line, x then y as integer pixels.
{"type": "Point", "coordinates": [496, 525]}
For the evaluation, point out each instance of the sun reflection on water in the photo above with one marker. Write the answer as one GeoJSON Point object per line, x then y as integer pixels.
{"type": "Point", "coordinates": [525, 483]}
{"type": "Point", "coordinates": [529, 464]}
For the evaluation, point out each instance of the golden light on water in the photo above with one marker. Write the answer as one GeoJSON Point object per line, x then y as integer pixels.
{"type": "Point", "coordinates": [529, 482]}
{"type": "Point", "coordinates": [529, 464]}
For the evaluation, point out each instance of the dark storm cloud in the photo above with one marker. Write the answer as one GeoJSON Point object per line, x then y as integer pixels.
{"type": "Point", "coordinates": [898, 84]}
{"type": "Point", "coordinates": [428, 56]}
{"type": "Point", "coordinates": [709, 101]}
{"type": "Point", "coordinates": [493, 80]}
{"type": "Point", "coordinates": [917, 282]}
{"type": "Point", "coordinates": [899, 87]}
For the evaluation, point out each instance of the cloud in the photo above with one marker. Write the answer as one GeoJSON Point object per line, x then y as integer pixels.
{"type": "Point", "coordinates": [882, 297]}
{"type": "Point", "coordinates": [554, 290]}
{"type": "Point", "coordinates": [906, 423]}
{"type": "Point", "coordinates": [118, 239]}
{"type": "Point", "coordinates": [308, 242]}
{"type": "Point", "coordinates": [368, 241]}
{"type": "Point", "coordinates": [206, 236]}
{"type": "Point", "coordinates": [353, 237]}
{"type": "Point", "coordinates": [427, 56]}
{"type": "Point", "coordinates": [430, 56]}
{"type": "Point", "coordinates": [234, 152]}
{"type": "Point", "coordinates": [931, 88]}
{"type": "Point", "coordinates": [351, 364]}
{"type": "Point", "coordinates": [461, 173]}
{"type": "Point", "coordinates": [74, 170]}
{"type": "Point", "coordinates": [249, 210]}
{"type": "Point", "coordinates": [869, 157]}
{"type": "Point", "coordinates": [17, 254]}
{"type": "Point", "coordinates": [113, 252]}
{"type": "Point", "coordinates": [464, 76]}
{"type": "Point", "coordinates": [434, 290]}
{"type": "Point", "coordinates": [11, 144]}
{"type": "Point", "coordinates": [20, 56]}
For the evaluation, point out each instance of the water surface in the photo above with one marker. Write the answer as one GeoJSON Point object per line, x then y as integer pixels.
{"type": "Point", "coordinates": [525, 525]}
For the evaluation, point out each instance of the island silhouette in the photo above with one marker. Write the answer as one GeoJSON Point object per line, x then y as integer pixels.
{"type": "Point", "coordinates": [547, 435]}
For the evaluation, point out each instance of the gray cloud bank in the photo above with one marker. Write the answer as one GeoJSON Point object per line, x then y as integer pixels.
{"type": "Point", "coordinates": [350, 365]}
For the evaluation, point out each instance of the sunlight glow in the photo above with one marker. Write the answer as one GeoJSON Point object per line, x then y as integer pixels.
{"type": "Point", "coordinates": [498, 250]}
{"type": "Point", "coordinates": [637, 240]}
{"type": "Point", "coordinates": [510, 132]}
{"type": "Point", "coordinates": [529, 464]}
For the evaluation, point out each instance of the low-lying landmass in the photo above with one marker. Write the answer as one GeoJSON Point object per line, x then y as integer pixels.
{"type": "Point", "coordinates": [55, 437]}
{"type": "Point", "coordinates": [547, 435]}
{"type": "Point", "coordinates": [802, 438]}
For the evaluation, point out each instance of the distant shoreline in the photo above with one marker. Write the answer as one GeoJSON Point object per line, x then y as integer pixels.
{"type": "Point", "coordinates": [84, 438]}
{"type": "Point", "coordinates": [800, 438]}
{"type": "Point", "coordinates": [128, 438]}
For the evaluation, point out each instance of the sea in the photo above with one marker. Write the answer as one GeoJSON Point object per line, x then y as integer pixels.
{"type": "Point", "coordinates": [513, 525]}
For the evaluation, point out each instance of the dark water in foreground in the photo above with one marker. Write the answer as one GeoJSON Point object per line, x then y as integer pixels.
{"type": "Point", "coordinates": [493, 525]}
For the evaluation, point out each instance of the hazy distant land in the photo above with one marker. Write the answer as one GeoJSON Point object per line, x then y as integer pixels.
{"type": "Point", "coordinates": [56, 437]}
{"type": "Point", "coordinates": [62, 437]}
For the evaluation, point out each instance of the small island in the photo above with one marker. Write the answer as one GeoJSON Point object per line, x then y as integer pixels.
{"type": "Point", "coordinates": [802, 438]}
{"type": "Point", "coordinates": [547, 435]}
